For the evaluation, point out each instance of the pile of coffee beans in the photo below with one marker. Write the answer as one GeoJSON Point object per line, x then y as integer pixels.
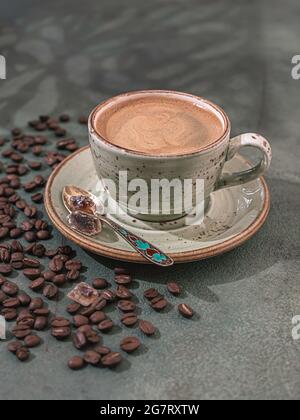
{"type": "Point", "coordinates": [23, 243]}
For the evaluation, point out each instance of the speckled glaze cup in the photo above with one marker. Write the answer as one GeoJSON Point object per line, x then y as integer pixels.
{"type": "Point", "coordinates": [207, 163]}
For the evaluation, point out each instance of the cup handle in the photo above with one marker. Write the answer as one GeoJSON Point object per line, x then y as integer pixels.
{"type": "Point", "coordinates": [235, 144]}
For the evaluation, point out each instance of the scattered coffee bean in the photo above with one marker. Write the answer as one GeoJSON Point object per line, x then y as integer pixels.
{"type": "Point", "coordinates": [5, 269]}
{"type": "Point", "coordinates": [24, 299]}
{"type": "Point", "coordinates": [129, 319]}
{"type": "Point", "coordinates": [76, 363]}
{"type": "Point", "coordinates": [185, 310]}
{"type": "Point", "coordinates": [32, 273]}
{"type": "Point", "coordinates": [61, 333]}
{"type": "Point", "coordinates": [126, 306]}
{"type": "Point", "coordinates": [32, 341]}
{"type": "Point", "coordinates": [60, 322]}
{"type": "Point", "coordinates": [123, 293]}
{"type": "Point", "coordinates": [159, 303]}
{"type": "Point", "coordinates": [13, 346]}
{"type": "Point", "coordinates": [97, 317]}
{"type": "Point", "coordinates": [79, 340]}
{"type": "Point", "coordinates": [174, 288]}
{"type": "Point", "coordinates": [92, 357]}
{"type": "Point", "coordinates": [50, 291]}
{"type": "Point", "coordinates": [102, 350]}
{"type": "Point", "coordinates": [36, 303]}
{"type": "Point", "coordinates": [73, 308]}
{"type": "Point", "coordinates": [147, 327]}
{"type": "Point", "coordinates": [123, 279]}
{"type": "Point", "coordinates": [105, 325]}
{"type": "Point", "coordinates": [100, 283]}
{"type": "Point", "coordinates": [151, 294]}
{"type": "Point", "coordinates": [9, 288]}
{"type": "Point", "coordinates": [80, 320]}
{"type": "Point", "coordinates": [23, 354]}
{"type": "Point", "coordinates": [121, 270]}
{"type": "Point", "coordinates": [111, 359]}
{"type": "Point", "coordinates": [41, 322]}
{"type": "Point", "coordinates": [37, 284]}
{"type": "Point", "coordinates": [130, 344]}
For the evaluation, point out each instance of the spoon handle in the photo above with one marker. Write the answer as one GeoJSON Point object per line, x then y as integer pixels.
{"type": "Point", "coordinates": [145, 248]}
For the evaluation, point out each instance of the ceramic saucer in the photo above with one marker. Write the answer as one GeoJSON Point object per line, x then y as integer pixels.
{"type": "Point", "coordinates": [234, 216]}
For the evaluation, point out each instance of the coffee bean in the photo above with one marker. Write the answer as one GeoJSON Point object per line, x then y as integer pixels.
{"type": "Point", "coordinates": [21, 331]}
{"type": "Point", "coordinates": [15, 233]}
{"type": "Point", "coordinates": [151, 293]}
{"type": "Point", "coordinates": [97, 317]}
{"type": "Point", "coordinates": [85, 329]}
{"type": "Point", "coordinates": [13, 346]}
{"type": "Point", "coordinates": [73, 265]}
{"type": "Point", "coordinates": [24, 299]}
{"type": "Point", "coordinates": [38, 250]}
{"type": "Point", "coordinates": [73, 275]}
{"type": "Point", "coordinates": [37, 284]}
{"type": "Point", "coordinates": [111, 359]}
{"type": "Point", "coordinates": [92, 357]}
{"type": "Point", "coordinates": [126, 305]}
{"type": "Point", "coordinates": [5, 269]}
{"type": "Point", "coordinates": [130, 344]}
{"type": "Point", "coordinates": [23, 354]}
{"type": "Point", "coordinates": [37, 198]}
{"type": "Point", "coordinates": [159, 303]}
{"type": "Point", "coordinates": [147, 327]}
{"type": "Point", "coordinates": [17, 257]}
{"type": "Point", "coordinates": [56, 265]}
{"type": "Point", "coordinates": [80, 320]}
{"type": "Point", "coordinates": [64, 118]}
{"type": "Point", "coordinates": [27, 226]}
{"type": "Point", "coordinates": [121, 270]}
{"type": "Point", "coordinates": [11, 303]}
{"type": "Point", "coordinates": [50, 291]}
{"type": "Point", "coordinates": [49, 275]}
{"type": "Point", "coordinates": [9, 288]}
{"type": "Point", "coordinates": [105, 325]}
{"type": "Point", "coordinates": [51, 253]}
{"type": "Point", "coordinates": [102, 350]}
{"type": "Point", "coordinates": [123, 279]}
{"type": "Point", "coordinates": [174, 288]}
{"type": "Point", "coordinates": [25, 319]}
{"type": "Point", "coordinates": [129, 319]}
{"type": "Point", "coordinates": [76, 363]}
{"type": "Point", "coordinates": [93, 337]}
{"type": "Point", "coordinates": [3, 232]}
{"type": "Point", "coordinates": [32, 341]}
{"type": "Point", "coordinates": [31, 263]}
{"type": "Point", "coordinates": [42, 312]}
{"type": "Point", "coordinates": [3, 296]}
{"type": "Point", "coordinates": [73, 308]}
{"type": "Point", "coordinates": [43, 235]}
{"type": "Point", "coordinates": [100, 283]}
{"type": "Point", "coordinates": [9, 314]}
{"type": "Point", "coordinates": [185, 310]}
{"type": "Point", "coordinates": [83, 119]}
{"type": "Point", "coordinates": [123, 293]}
{"type": "Point", "coordinates": [32, 273]}
{"type": "Point", "coordinates": [36, 303]}
{"type": "Point", "coordinates": [35, 165]}
{"type": "Point", "coordinates": [41, 322]}
{"type": "Point", "coordinates": [79, 340]}
{"type": "Point", "coordinates": [60, 132]}
{"type": "Point", "coordinates": [108, 295]}
{"type": "Point", "coordinates": [59, 280]}
{"type": "Point", "coordinates": [60, 333]}
{"type": "Point", "coordinates": [100, 304]}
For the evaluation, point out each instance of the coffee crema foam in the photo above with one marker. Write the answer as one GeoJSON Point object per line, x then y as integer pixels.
{"type": "Point", "coordinates": [159, 126]}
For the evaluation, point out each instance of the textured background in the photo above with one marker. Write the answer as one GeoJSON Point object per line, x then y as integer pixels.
{"type": "Point", "coordinates": [68, 56]}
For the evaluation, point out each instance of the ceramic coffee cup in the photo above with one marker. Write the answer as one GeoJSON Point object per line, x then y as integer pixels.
{"type": "Point", "coordinates": [206, 164]}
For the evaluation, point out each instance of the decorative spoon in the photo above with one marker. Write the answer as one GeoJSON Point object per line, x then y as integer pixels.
{"type": "Point", "coordinates": [87, 215]}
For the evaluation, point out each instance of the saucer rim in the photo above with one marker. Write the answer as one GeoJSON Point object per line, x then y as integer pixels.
{"type": "Point", "coordinates": [128, 256]}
